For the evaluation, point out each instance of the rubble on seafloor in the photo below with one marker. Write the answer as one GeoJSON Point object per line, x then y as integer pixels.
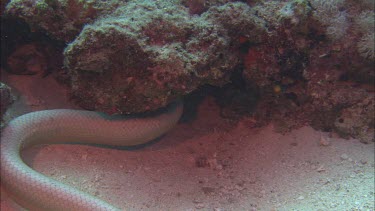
{"type": "Point", "coordinates": [293, 61]}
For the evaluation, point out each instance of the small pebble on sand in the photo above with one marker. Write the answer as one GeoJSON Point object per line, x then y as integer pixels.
{"type": "Point", "coordinates": [344, 156]}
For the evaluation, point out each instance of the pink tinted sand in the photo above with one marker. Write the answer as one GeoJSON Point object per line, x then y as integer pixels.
{"type": "Point", "coordinates": [209, 163]}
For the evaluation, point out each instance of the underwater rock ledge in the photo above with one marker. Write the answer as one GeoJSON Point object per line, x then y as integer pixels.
{"type": "Point", "coordinates": [145, 55]}
{"type": "Point", "coordinates": [311, 61]}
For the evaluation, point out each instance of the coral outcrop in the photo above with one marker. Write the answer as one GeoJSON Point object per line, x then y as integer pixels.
{"type": "Point", "coordinates": [6, 99]}
{"type": "Point", "coordinates": [308, 62]}
{"type": "Point", "coordinates": [145, 55]}
{"type": "Point", "coordinates": [62, 19]}
{"type": "Point", "coordinates": [358, 120]}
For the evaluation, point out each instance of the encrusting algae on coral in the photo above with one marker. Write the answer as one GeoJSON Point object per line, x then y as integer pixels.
{"type": "Point", "coordinates": [138, 55]}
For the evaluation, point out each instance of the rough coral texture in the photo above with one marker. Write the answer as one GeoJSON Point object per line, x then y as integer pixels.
{"type": "Point", "coordinates": [6, 99]}
{"type": "Point", "coordinates": [146, 55]}
{"type": "Point", "coordinates": [62, 19]}
{"type": "Point", "coordinates": [306, 77]}
{"type": "Point", "coordinates": [358, 120]}
{"type": "Point", "coordinates": [304, 62]}
{"type": "Point", "coordinates": [29, 59]}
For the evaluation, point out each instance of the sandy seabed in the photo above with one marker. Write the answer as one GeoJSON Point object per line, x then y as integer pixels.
{"type": "Point", "coordinates": [207, 163]}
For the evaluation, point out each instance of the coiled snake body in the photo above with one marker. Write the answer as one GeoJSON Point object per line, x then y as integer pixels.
{"type": "Point", "coordinates": [32, 189]}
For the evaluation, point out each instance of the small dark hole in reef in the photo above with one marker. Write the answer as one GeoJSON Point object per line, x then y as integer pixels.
{"type": "Point", "coordinates": [237, 97]}
{"type": "Point", "coordinates": [341, 120]}
{"type": "Point", "coordinates": [201, 162]}
{"type": "Point", "coordinates": [344, 77]}
{"type": "Point", "coordinates": [244, 47]}
{"type": "Point", "coordinates": [291, 96]}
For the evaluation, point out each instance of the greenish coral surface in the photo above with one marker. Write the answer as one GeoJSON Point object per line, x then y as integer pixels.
{"type": "Point", "coordinates": [62, 19]}
{"type": "Point", "coordinates": [6, 99]}
{"type": "Point", "coordinates": [146, 54]}
{"type": "Point", "coordinates": [137, 55]}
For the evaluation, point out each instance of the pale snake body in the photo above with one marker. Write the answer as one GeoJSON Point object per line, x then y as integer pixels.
{"type": "Point", "coordinates": [36, 191]}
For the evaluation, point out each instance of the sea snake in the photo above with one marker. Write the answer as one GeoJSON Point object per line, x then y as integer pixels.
{"type": "Point", "coordinates": [35, 191]}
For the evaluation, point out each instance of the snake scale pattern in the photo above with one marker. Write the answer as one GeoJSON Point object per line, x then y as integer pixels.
{"type": "Point", "coordinates": [35, 191]}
